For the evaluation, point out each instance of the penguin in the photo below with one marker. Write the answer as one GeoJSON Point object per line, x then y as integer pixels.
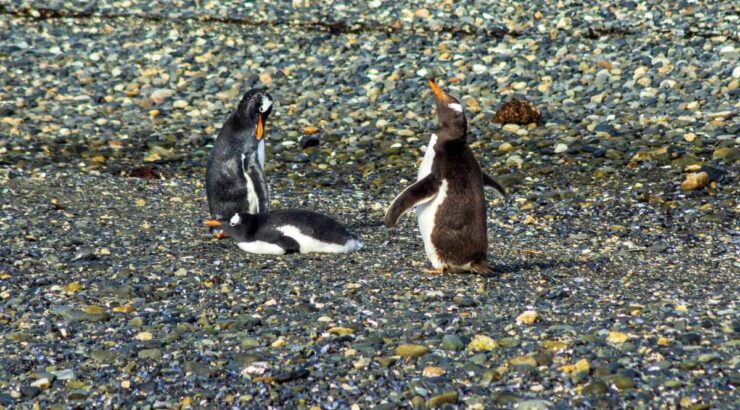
{"type": "Point", "coordinates": [235, 177]}
{"type": "Point", "coordinates": [448, 195]}
{"type": "Point", "coordinates": [287, 231]}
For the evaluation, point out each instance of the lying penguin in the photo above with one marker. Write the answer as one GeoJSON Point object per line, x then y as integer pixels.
{"type": "Point", "coordinates": [235, 177]}
{"type": "Point", "coordinates": [288, 231]}
{"type": "Point", "coordinates": [448, 194]}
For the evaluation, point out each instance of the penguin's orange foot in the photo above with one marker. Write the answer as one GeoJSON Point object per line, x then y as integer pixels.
{"type": "Point", "coordinates": [437, 271]}
{"type": "Point", "coordinates": [221, 235]}
{"type": "Point", "coordinates": [212, 223]}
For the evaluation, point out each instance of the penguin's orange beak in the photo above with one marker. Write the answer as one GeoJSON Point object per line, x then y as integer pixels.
{"type": "Point", "coordinates": [438, 93]}
{"type": "Point", "coordinates": [260, 127]}
{"type": "Point", "coordinates": [212, 223]}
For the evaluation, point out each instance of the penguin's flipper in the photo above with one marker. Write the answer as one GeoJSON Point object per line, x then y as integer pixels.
{"type": "Point", "coordinates": [418, 193]}
{"type": "Point", "coordinates": [489, 182]}
{"type": "Point", "coordinates": [259, 194]}
{"type": "Point", "coordinates": [289, 244]}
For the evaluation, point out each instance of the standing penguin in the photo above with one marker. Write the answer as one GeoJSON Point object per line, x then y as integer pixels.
{"type": "Point", "coordinates": [235, 177]}
{"type": "Point", "coordinates": [448, 195]}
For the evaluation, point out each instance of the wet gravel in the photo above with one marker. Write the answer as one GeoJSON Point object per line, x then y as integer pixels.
{"type": "Point", "coordinates": [616, 260]}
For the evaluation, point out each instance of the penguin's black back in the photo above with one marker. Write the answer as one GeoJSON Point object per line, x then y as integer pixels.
{"type": "Point", "coordinates": [226, 186]}
{"type": "Point", "coordinates": [314, 224]}
{"type": "Point", "coordinates": [460, 233]}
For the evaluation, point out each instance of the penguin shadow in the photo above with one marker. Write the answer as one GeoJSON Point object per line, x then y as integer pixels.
{"type": "Point", "coordinates": [506, 269]}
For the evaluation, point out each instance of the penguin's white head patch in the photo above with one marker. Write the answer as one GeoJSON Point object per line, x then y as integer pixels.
{"type": "Point", "coordinates": [456, 107]}
{"type": "Point", "coordinates": [235, 220]}
{"type": "Point", "coordinates": [265, 104]}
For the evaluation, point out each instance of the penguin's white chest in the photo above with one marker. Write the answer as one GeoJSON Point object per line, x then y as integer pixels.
{"type": "Point", "coordinates": [261, 153]}
{"type": "Point", "coordinates": [426, 213]}
{"type": "Point", "coordinates": [426, 164]}
{"type": "Point", "coordinates": [252, 199]}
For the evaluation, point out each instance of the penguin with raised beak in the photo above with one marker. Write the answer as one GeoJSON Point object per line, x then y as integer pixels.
{"type": "Point", "coordinates": [448, 195]}
{"type": "Point", "coordinates": [235, 177]}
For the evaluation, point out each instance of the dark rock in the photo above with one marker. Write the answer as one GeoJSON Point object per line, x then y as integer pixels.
{"type": "Point", "coordinates": [715, 172]}
{"type": "Point", "coordinates": [691, 338]}
{"type": "Point", "coordinates": [291, 374]}
{"type": "Point", "coordinates": [595, 388]}
{"type": "Point", "coordinates": [310, 141]}
{"type": "Point", "coordinates": [30, 391]}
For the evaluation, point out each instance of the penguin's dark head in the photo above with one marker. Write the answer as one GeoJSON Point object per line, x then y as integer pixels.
{"type": "Point", "coordinates": [236, 225]}
{"type": "Point", "coordinates": [451, 122]}
{"type": "Point", "coordinates": [254, 108]}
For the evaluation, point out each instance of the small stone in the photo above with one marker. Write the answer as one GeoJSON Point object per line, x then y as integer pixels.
{"type": "Point", "coordinates": [342, 331]}
{"type": "Point", "coordinates": [595, 388]}
{"type": "Point", "coordinates": [30, 391]}
{"type": "Point", "coordinates": [479, 68]}
{"type": "Point", "coordinates": [279, 343]}
{"type": "Point", "coordinates": [78, 394]}
{"type": "Point", "coordinates": [161, 95]}
{"type": "Point", "coordinates": [310, 130]}
{"type": "Point", "coordinates": [695, 181]}
{"type": "Point", "coordinates": [422, 13]}
{"type": "Point", "coordinates": [144, 336]}
{"type": "Point", "coordinates": [482, 343]}
{"type": "Point", "coordinates": [265, 78]}
{"type": "Point", "coordinates": [729, 153]}
{"type": "Point", "coordinates": [512, 128]}
{"type": "Point", "coordinates": [452, 342]}
{"type": "Point", "coordinates": [580, 366]}
{"type": "Point", "coordinates": [623, 382]}
{"type": "Point", "coordinates": [639, 72]}
{"type": "Point", "coordinates": [64, 375]}
{"type": "Point", "coordinates": [441, 399]}
{"type": "Point", "coordinates": [533, 405]}
{"type": "Point", "coordinates": [523, 360]}
{"type": "Point", "coordinates": [432, 371]}
{"type": "Point", "coordinates": [514, 160]}
{"type": "Point", "coordinates": [308, 141]}
{"type": "Point", "coordinates": [560, 148]}
{"type": "Point", "coordinates": [505, 147]}
{"type": "Point", "coordinates": [617, 338]}
{"type": "Point", "coordinates": [709, 357]}
{"type": "Point", "coordinates": [662, 341]}
{"type": "Point", "coordinates": [153, 354]}
{"type": "Point", "coordinates": [42, 383]}
{"type": "Point", "coordinates": [409, 350]}
{"type": "Point", "coordinates": [673, 384]}
{"type": "Point", "coordinates": [361, 363]}
{"type": "Point", "coordinates": [554, 345]}
{"type": "Point", "coordinates": [103, 356]}
{"type": "Point", "coordinates": [528, 317]}
{"type": "Point", "coordinates": [691, 338]}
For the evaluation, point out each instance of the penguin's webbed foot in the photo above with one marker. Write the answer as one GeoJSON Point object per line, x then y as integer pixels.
{"type": "Point", "coordinates": [221, 235]}
{"type": "Point", "coordinates": [436, 271]}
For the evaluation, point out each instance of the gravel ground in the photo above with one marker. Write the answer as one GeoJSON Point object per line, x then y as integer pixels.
{"type": "Point", "coordinates": [616, 258]}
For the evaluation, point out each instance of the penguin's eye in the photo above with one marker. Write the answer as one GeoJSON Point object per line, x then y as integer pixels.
{"type": "Point", "coordinates": [265, 104]}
